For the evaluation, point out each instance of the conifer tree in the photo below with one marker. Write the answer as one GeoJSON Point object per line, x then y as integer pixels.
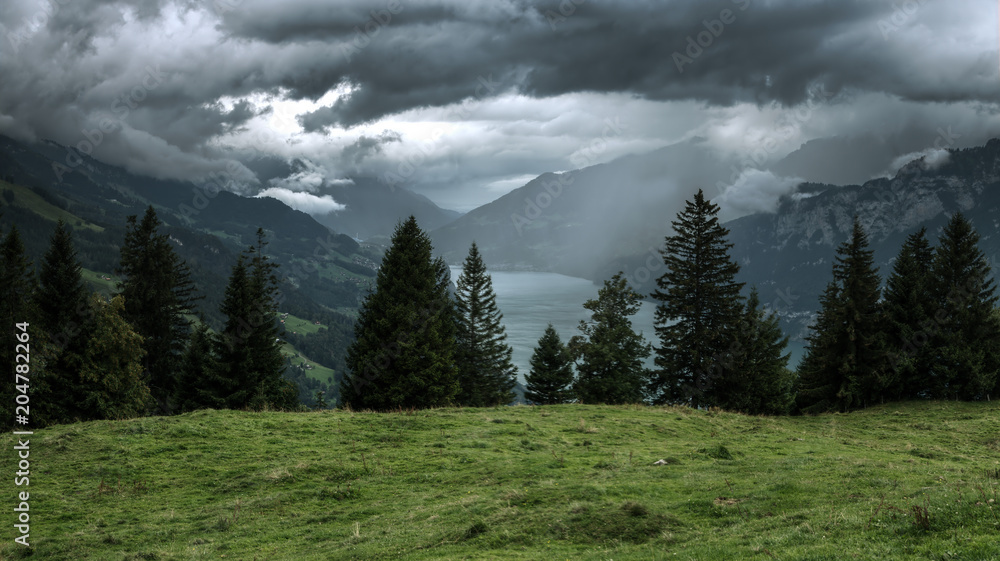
{"type": "Point", "coordinates": [610, 354]}
{"type": "Point", "coordinates": [845, 364]}
{"type": "Point", "coordinates": [17, 286]}
{"type": "Point", "coordinates": [249, 349]}
{"type": "Point", "coordinates": [158, 293]}
{"type": "Point", "coordinates": [272, 389]}
{"type": "Point", "coordinates": [233, 353]}
{"type": "Point", "coordinates": [699, 307]}
{"type": "Point", "coordinates": [403, 354]}
{"type": "Point", "coordinates": [486, 375]}
{"type": "Point", "coordinates": [759, 382]}
{"type": "Point", "coordinates": [111, 368]}
{"type": "Point", "coordinates": [64, 318]}
{"type": "Point", "coordinates": [908, 309]}
{"type": "Point", "coordinates": [551, 377]}
{"type": "Point", "coordinates": [199, 384]}
{"type": "Point", "coordinates": [969, 336]}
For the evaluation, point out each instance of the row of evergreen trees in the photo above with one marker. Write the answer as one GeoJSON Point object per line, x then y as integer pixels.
{"type": "Point", "coordinates": [138, 353]}
{"type": "Point", "coordinates": [933, 332]}
{"type": "Point", "coordinates": [717, 348]}
{"type": "Point", "coordinates": [416, 345]}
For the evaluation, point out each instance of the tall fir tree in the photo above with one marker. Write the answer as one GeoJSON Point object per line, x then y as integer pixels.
{"type": "Point", "coordinates": [551, 378]}
{"type": "Point", "coordinates": [272, 389]}
{"type": "Point", "coordinates": [111, 368]}
{"type": "Point", "coordinates": [17, 287]}
{"type": "Point", "coordinates": [486, 375]}
{"type": "Point", "coordinates": [403, 354]}
{"type": "Point", "coordinates": [610, 353]}
{"type": "Point", "coordinates": [845, 364]}
{"type": "Point", "coordinates": [907, 315]}
{"type": "Point", "coordinates": [158, 292]}
{"type": "Point", "coordinates": [199, 384]}
{"type": "Point", "coordinates": [968, 337]}
{"type": "Point", "coordinates": [249, 347]}
{"type": "Point", "coordinates": [64, 319]}
{"type": "Point", "coordinates": [699, 307]}
{"type": "Point", "coordinates": [234, 366]}
{"type": "Point", "coordinates": [759, 382]}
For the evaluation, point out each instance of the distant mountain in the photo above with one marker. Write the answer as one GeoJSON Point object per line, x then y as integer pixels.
{"type": "Point", "coordinates": [373, 209]}
{"type": "Point", "coordinates": [572, 223]}
{"type": "Point", "coordinates": [596, 221]}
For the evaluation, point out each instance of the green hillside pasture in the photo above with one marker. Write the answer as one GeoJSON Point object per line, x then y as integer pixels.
{"type": "Point", "coordinates": [901, 481]}
{"type": "Point", "coordinates": [97, 282]}
{"type": "Point", "coordinates": [27, 198]}
{"type": "Point", "coordinates": [318, 371]}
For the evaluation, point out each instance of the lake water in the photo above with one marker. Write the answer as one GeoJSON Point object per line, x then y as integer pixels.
{"type": "Point", "coordinates": [530, 301]}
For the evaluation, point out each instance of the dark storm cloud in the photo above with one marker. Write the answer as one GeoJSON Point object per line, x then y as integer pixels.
{"type": "Point", "coordinates": [176, 78]}
{"type": "Point", "coordinates": [722, 51]}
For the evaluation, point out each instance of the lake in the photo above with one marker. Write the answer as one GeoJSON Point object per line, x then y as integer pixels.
{"type": "Point", "coordinates": [530, 301]}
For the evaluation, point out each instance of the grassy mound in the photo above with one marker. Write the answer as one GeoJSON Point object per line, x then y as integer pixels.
{"type": "Point", "coordinates": [902, 481]}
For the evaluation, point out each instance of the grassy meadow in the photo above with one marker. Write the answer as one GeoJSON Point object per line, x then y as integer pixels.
{"type": "Point", "coordinates": [900, 481]}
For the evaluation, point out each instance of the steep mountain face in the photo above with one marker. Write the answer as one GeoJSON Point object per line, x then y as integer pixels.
{"type": "Point", "coordinates": [572, 223]}
{"type": "Point", "coordinates": [789, 254]}
{"type": "Point", "coordinates": [373, 209]}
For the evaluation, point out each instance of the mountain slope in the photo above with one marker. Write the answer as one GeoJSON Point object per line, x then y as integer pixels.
{"type": "Point", "coordinates": [571, 223]}
{"type": "Point", "coordinates": [374, 209]}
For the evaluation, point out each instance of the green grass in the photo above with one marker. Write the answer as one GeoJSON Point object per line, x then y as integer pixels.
{"type": "Point", "coordinates": [565, 482]}
{"type": "Point", "coordinates": [300, 325]}
{"type": "Point", "coordinates": [27, 198]}
{"type": "Point", "coordinates": [318, 372]}
{"type": "Point", "coordinates": [97, 282]}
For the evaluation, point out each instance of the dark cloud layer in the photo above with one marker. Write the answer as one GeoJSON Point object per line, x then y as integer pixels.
{"type": "Point", "coordinates": [168, 83]}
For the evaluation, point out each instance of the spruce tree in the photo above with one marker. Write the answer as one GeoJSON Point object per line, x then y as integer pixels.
{"type": "Point", "coordinates": [968, 335]}
{"type": "Point", "coordinates": [17, 286]}
{"type": "Point", "coordinates": [234, 365]}
{"type": "Point", "coordinates": [249, 347]}
{"type": "Point", "coordinates": [907, 313]}
{"type": "Point", "coordinates": [699, 307]}
{"type": "Point", "coordinates": [845, 365]}
{"type": "Point", "coordinates": [759, 383]}
{"type": "Point", "coordinates": [158, 293]}
{"type": "Point", "coordinates": [403, 354]}
{"type": "Point", "coordinates": [820, 381]}
{"type": "Point", "coordinates": [486, 375]}
{"type": "Point", "coordinates": [610, 354]}
{"type": "Point", "coordinates": [272, 389]}
{"type": "Point", "coordinates": [64, 319]}
{"type": "Point", "coordinates": [551, 377]}
{"type": "Point", "coordinates": [112, 385]}
{"type": "Point", "coordinates": [199, 384]}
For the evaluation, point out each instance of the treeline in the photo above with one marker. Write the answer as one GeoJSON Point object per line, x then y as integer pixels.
{"type": "Point", "coordinates": [139, 352]}
{"type": "Point", "coordinates": [933, 332]}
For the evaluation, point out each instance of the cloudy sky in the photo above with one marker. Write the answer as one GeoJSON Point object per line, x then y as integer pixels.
{"type": "Point", "coordinates": [464, 100]}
